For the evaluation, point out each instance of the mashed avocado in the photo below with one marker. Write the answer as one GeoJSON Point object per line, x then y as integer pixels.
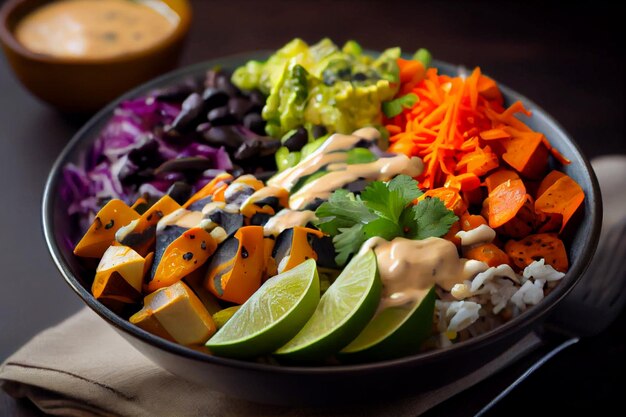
{"type": "Point", "coordinates": [340, 89]}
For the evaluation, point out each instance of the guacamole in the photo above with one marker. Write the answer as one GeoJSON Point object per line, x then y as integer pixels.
{"type": "Point", "coordinates": [340, 89]}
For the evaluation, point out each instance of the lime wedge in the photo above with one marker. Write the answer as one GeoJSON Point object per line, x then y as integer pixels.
{"type": "Point", "coordinates": [272, 316]}
{"type": "Point", "coordinates": [343, 311]}
{"type": "Point", "coordinates": [394, 331]}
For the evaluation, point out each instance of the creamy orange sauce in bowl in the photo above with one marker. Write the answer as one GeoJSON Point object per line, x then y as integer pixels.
{"type": "Point", "coordinates": [93, 29]}
{"type": "Point", "coordinates": [78, 55]}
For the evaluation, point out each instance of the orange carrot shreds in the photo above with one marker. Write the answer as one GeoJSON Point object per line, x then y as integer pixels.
{"type": "Point", "coordinates": [452, 121]}
{"type": "Point", "coordinates": [464, 182]}
{"type": "Point", "coordinates": [535, 247]}
{"type": "Point", "coordinates": [505, 201]}
{"type": "Point", "coordinates": [487, 253]}
{"type": "Point", "coordinates": [406, 147]}
{"type": "Point", "coordinates": [547, 182]}
{"type": "Point", "coordinates": [498, 177]}
{"type": "Point", "coordinates": [494, 134]}
{"type": "Point", "coordinates": [561, 199]}
{"type": "Point", "coordinates": [450, 197]}
{"type": "Point", "coordinates": [478, 162]}
{"type": "Point", "coordinates": [555, 153]}
{"type": "Point", "coordinates": [393, 130]}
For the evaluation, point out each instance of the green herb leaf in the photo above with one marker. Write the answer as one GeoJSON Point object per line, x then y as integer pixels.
{"type": "Point", "coordinates": [407, 186]}
{"type": "Point", "coordinates": [383, 201]}
{"type": "Point", "coordinates": [384, 228]}
{"type": "Point", "coordinates": [395, 107]}
{"type": "Point", "coordinates": [384, 210]}
{"type": "Point", "coordinates": [342, 210]}
{"type": "Point", "coordinates": [433, 218]}
{"type": "Point", "coordinates": [348, 241]}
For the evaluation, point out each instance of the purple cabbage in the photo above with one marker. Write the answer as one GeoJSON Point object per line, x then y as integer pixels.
{"type": "Point", "coordinates": [122, 159]}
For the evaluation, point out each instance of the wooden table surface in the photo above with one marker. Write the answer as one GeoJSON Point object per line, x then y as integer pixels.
{"type": "Point", "coordinates": [567, 57]}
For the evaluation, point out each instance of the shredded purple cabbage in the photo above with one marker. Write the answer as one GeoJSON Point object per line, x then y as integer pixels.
{"type": "Point", "coordinates": [121, 162]}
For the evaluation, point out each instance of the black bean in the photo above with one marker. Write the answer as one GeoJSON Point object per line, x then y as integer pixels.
{"type": "Point", "coordinates": [191, 109]}
{"type": "Point", "coordinates": [255, 123]}
{"type": "Point", "coordinates": [221, 116]}
{"type": "Point", "coordinates": [257, 146]}
{"type": "Point", "coordinates": [257, 98]}
{"type": "Point", "coordinates": [269, 145]}
{"type": "Point", "coordinates": [228, 136]}
{"type": "Point", "coordinates": [297, 140]}
{"type": "Point", "coordinates": [318, 131]}
{"type": "Point", "coordinates": [214, 98]}
{"type": "Point", "coordinates": [222, 82]}
{"type": "Point", "coordinates": [177, 93]}
{"type": "Point", "coordinates": [238, 107]}
{"type": "Point", "coordinates": [147, 154]}
{"type": "Point", "coordinates": [180, 192]}
{"type": "Point", "coordinates": [248, 149]}
{"type": "Point", "coordinates": [194, 164]}
{"type": "Point", "coordinates": [202, 128]}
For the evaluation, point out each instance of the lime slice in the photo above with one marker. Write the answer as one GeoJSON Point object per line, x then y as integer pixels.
{"type": "Point", "coordinates": [221, 317]}
{"type": "Point", "coordinates": [272, 316]}
{"type": "Point", "coordinates": [344, 310]}
{"type": "Point", "coordinates": [395, 331]}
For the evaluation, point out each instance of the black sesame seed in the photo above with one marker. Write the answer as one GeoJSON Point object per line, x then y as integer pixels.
{"type": "Point", "coordinates": [192, 236]}
{"type": "Point", "coordinates": [244, 252]}
{"type": "Point", "coordinates": [110, 224]}
{"type": "Point", "coordinates": [188, 256]}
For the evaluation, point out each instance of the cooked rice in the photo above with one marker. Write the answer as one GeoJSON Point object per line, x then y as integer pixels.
{"type": "Point", "coordinates": [490, 298]}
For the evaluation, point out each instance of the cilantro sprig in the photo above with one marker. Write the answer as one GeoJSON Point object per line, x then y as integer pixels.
{"type": "Point", "coordinates": [382, 209]}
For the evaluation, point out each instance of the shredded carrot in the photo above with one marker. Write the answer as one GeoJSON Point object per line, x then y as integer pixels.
{"type": "Point", "coordinates": [459, 126]}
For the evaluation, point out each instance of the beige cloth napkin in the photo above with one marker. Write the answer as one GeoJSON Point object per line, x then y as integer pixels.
{"type": "Point", "coordinates": [82, 367]}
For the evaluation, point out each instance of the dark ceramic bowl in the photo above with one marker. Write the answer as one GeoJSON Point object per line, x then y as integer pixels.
{"type": "Point", "coordinates": [306, 385]}
{"type": "Point", "coordinates": [81, 85]}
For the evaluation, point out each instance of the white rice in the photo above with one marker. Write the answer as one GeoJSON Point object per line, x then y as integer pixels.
{"type": "Point", "coordinates": [486, 296]}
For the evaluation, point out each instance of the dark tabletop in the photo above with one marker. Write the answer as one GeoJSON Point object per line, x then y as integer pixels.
{"type": "Point", "coordinates": [566, 57]}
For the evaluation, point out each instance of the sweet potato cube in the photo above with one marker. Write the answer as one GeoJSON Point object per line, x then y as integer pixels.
{"type": "Point", "coordinates": [235, 271]}
{"type": "Point", "coordinates": [101, 233]}
{"type": "Point", "coordinates": [119, 275]}
{"type": "Point", "coordinates": [183, 256]}
{"type": "Point", "coordinates": [175, 311]}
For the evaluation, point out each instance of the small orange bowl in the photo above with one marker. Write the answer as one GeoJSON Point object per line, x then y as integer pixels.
{"type": "Point", "coordinates": [82, 85]}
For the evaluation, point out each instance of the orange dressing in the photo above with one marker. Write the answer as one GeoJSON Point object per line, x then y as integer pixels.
{"type": "Point", "coordinates": [96, 28]}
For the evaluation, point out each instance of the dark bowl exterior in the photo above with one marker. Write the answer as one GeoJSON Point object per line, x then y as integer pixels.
{"type": "Point", "coordinates": [318, 385]}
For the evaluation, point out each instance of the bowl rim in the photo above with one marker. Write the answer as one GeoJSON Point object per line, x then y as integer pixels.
{"type": "Point", "coordinates": [8, 39]}
{"type": "Point", "coordinates": [491, 337]}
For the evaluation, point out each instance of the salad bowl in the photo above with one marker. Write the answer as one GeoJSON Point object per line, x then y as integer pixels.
{"type": "Point", "coordinates": [278, 384]}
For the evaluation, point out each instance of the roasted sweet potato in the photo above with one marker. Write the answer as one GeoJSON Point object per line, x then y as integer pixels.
{"type": "Point", "coordinates": [535, 247]}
